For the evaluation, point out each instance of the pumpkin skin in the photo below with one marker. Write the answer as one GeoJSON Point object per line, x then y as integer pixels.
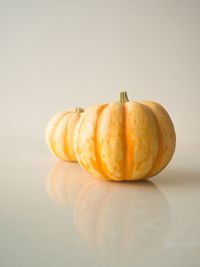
{"type": "Point", "coordinates": [124, 140]}
{"type": "Point", "coordinates": [120, 218]}
{"type": "Point", "coordinates": [60, 133]}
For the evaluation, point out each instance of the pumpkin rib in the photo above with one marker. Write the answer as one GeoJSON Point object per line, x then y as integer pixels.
{"type": "Point", "coordinates": [70, 155]}
{"type": "Point", "coordinates": [60, 151]}
{"type": "Point", "coordinates": [74, 132]}
{"type": "Point", "coordinates": [50, 128]}
{"type": "Point", "coordinates": [160, 145]}
{"type": "Point", "coordinates": [125, 136]}
{"type": "Point", "coordinates": [65, 148]}
{"type": "Point", "coordinates": [106, 116]}
{"type": "Point", "coordinates": [97, 153]}
{"type": "Point", "coordinates": [129, 146]}
{"type": "Point", "coordinates": [163, 162]}
{"type": "Point", "coordinates": [51, 138]}
{"type": "Point", "coordinates": [78, 138]}
{"type": "Point", "coordinates": [75, 139]}
{"type": "Point", "coordinates": [136, 166]}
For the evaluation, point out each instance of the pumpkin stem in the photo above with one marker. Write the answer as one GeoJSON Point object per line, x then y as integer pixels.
{"type": "Point", "coordinates": [78, 110]}
{"type": "Point", "coordinates": [123, 97]}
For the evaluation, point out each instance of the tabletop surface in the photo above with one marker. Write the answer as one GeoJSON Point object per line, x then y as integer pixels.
{"type": "Point", "coordinates": [54, 214]}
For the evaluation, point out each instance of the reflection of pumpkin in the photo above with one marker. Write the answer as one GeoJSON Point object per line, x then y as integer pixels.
{"type": "Point", "coordinates": [124, 140]}
{"type": "Point", "coordinates": [60, 133]}
{"type": "Point", "coordinates": [113, 216]}
{"type": "Point", "coordinates": [64, 183]}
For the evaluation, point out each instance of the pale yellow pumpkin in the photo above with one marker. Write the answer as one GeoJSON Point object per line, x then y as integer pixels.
{"type": "Point", "coordinates": [60, 133]}
{"type": "Point", "coordinates": [124, 140]}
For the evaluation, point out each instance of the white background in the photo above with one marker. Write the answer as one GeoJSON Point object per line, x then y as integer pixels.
{"type": "Point", "coordinates": [56, 55]}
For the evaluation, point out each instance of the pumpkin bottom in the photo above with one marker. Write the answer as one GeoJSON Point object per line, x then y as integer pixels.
{"type": "Point", "coordinates": [108, 177]}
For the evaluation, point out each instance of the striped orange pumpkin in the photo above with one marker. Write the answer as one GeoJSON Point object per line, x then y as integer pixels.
{"type": "Point", "coordinates": [60, 132]}
{"type": "Point", "coordinates": [124, 140]}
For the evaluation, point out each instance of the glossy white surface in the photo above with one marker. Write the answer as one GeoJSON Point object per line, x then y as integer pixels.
{"type": "Point", "coordinates": [54, 214]}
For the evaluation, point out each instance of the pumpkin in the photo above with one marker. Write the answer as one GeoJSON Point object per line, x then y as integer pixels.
{"type": "Point", "coordinates": [115, 217]}
{"type": "Point", "coordinates": [124, 140]}
{"type": "Point", "coordinates": [60, 132]}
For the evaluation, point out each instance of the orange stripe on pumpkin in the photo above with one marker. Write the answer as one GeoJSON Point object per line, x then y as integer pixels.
{"type": "Point", "coordinates": [65, 148]}
{"type": "Point", "coordinates": [125, 138]}
{"type": "Point", "coordinates": [98, 164]}
{"type": "Point", "coordinates": [129, 146]}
